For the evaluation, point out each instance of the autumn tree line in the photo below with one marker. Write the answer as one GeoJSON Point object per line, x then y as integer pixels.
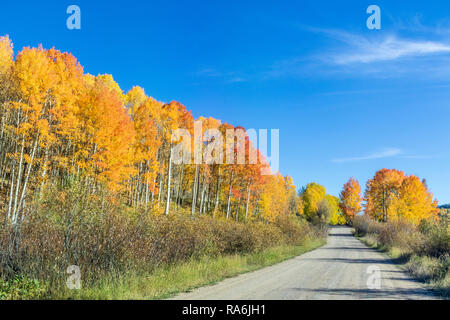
{"type": "Point", "coordinates": [390, 196]}
{"type": "Point", "coordinates": [89, 176]}
{"type": "Point", "coordinates": [59, 125]}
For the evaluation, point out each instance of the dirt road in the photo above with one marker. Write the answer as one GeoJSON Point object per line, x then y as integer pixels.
{"type": "Point", "coordinates": [343, 269]}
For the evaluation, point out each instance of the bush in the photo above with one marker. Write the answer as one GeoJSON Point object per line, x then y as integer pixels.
{"type": "Point", "coordinates": [363, 225]}
{"type": "Point", "coordinates": [399, 234]}
{"type": "Point", "coordinates": [436, 241]}
{"type": "Point", "coordinates": [104, 238]}
{"type": "Point", "coordinates": [428, 268]}
{"type": "Point", "coordinates": [430, 238]}
{"type": "Point", "coordinates": [426, 247]}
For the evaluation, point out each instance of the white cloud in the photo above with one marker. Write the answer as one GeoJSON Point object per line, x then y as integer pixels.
{"type": "Point", "coordinates": [226, 77]}
{"type": "Point", "coordinates": [362, 50]}
{"type": "Point", "coordinates": [237, 79]}
{"type": "Point", "coordinates": [373, 48]}
{"type": "Point", "coordinates": [385, 153]}
{"type": "Point", "coordinates": [208, 72]}
{"type": "Point", "coordinates": [375, 54]}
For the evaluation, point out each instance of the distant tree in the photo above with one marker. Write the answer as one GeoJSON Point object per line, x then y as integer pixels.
{"type": "Point", "coordinates": [324, 212]}
{"type": "Point", "coordinates": [391, 195]}
{"type": "Point", "coordinates": [380, 192]}
{"type": "Point", "coordinates": [312, 195]}
{"type": "Point", "coordinates": [414, 202]}
{"type": "Point", "coordinates": [350, 199]}
{"type": "Point", "coordinates": [336, 217]}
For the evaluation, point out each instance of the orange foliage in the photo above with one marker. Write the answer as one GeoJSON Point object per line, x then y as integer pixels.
{"type": "Point", "coordinates": [393, 195]}
{"type": "Point", "coordinates": [350, 199]}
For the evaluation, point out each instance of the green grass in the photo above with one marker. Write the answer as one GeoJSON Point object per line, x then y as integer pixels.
{"type": "Point", "coordinates": [431, 271]}
{"type": "Point", "coordinates": [167, 281]}
{"type": "Point", "coordinates": [21, 288]}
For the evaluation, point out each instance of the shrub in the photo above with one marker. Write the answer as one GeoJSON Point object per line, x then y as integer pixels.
{"type": "Point", "coordinates": [399, 233]}
{"type": "Point", "coordinates": [436, 239]}
{"type": "Point", "coordinates": [363, 225]}
{"type": "Point", "coordinates": [104, 238]}
{"type": "Point", "coordinates": [426, 247]}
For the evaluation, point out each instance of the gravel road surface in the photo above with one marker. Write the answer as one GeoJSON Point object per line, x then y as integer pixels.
{"type": "Point", "coordinates": [343, 269]}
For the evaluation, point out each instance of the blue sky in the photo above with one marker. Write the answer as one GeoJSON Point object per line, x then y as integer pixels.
{"type": "Point", "coordinates": [347, 100]}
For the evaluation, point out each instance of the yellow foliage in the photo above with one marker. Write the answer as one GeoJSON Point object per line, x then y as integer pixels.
{"type": "Point", "coordinates": [413, 203]}
{"type": "Point", "coordinates": [336, 218]}
{"type": "Point", "coordinates": [392, 195]}
{"type": "Point", "coordinates": [274, 198]}
{"type": "Point", "coordinates": [312, 196]}
{"type": "Point", "coordinates": [6, 54]}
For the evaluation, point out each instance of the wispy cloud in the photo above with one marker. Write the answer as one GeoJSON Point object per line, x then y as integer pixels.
{"type": "Point", "coordinates": [208, 72]}
{"type": "Point", "coordinates": [225, 77]}
{"type": "Point", "coordinates": [415, 24]}
{"type": "Point", "coordinates": [424, 51]}
{"type": "Point", "coordinates": [383, 55]}
{"type": "Point", "coordinates": [385, 153]}
{"type": "Point", "coordinates": [363, 50]}
{"type": "Point", "coordinates": [236, 80]}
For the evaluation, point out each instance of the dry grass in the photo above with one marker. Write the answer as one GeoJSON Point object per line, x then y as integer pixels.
{"type": "Point", "coordinates": [166, 281]}
{"type": "Point", "coordinates": [423, 250]}
{"type": "Point", "coordinates": [109, 241]}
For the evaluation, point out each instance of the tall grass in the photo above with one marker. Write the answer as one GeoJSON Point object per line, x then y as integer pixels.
{"type": "Point", "coordinates": [112, 243]}
{"type": "Point", "coordinates": [165, 281]}
{"type": "Point", "coordinates": [424, 249]}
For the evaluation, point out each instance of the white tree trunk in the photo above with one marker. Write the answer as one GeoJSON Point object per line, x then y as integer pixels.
{"type": "Point", "coordinates": [194, 190]}
{"type": "Point", "coordinates": [229, 196]}
{"type": "Point", "coordinates": [22, 197]}
{"type": "Point", "coordinates": [168, 182]}
{"type": "Point", "coordinates": [248, 200]}
{"type": "Point", "coordinates": [19, 176]}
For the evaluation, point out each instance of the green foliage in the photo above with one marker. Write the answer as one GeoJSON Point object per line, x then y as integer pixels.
{"type": "Point", "coordinates": [21, 288]}
{"type": "Point", "coordinates": [444, 213]}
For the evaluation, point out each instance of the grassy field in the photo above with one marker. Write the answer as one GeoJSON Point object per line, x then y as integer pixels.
{"type": "Point", "coordinates": [167, 281]}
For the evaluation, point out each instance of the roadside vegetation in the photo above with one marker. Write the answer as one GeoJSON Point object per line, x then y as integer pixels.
{"type": "Point", "coordinates": [168, 280]}
{"type": "Point", "coordinates": [125, 254]}
{"type": "Point", "coordinates": [423, 250]}
{"type": "Point", "coordinates": [402, 219]}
